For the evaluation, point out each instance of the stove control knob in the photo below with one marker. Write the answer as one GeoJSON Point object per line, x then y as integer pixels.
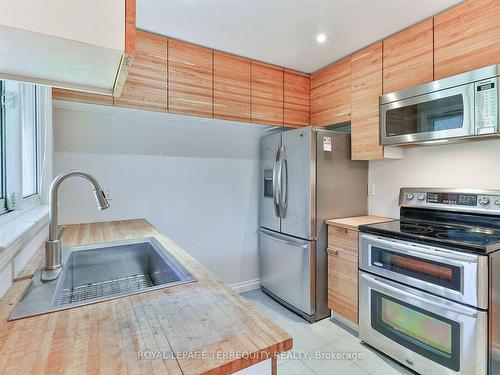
{"type": "Point", "coordinates": [483, 201]}
{"type": "Point", "coordinates": [409, 196]}
{"type": "Point", "coordinates": [497, 202]}
{"type": "Point", "coordinates": [421, 197]}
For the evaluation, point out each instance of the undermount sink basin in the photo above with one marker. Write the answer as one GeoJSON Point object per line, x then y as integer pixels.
{"type": "Point", "coordinates": [101, 272]}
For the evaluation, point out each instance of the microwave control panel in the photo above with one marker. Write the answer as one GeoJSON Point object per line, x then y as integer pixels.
{"type": "Point", "coordinates": [486, 104]}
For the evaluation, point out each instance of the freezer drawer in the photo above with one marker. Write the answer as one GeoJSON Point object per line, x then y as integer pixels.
{"type": "Point", "coordinates": [288, 269]}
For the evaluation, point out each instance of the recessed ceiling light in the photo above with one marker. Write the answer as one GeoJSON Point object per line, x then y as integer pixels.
{"type": "Point", "coordinates": [321, 38]}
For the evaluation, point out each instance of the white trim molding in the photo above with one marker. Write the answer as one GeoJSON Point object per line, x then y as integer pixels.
{"type": "Point", "coordinates": [17, 233]}
{"type": "Point", "coordinates": [245, 286]}
{"type": "Point", "coordinates": [20, 238]}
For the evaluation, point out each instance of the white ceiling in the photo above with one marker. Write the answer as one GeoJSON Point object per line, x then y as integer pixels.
{"type": "Point", "coordinates": [283, 32]}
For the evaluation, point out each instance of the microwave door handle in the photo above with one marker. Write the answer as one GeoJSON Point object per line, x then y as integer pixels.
{"type": "Point", "coordinates": [276, 183]}
{"type": "Point", "coordinates": [398, 291]}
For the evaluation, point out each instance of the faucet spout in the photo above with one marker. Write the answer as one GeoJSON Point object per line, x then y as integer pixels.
{"type": "Point", "coordinates": [53, 248]}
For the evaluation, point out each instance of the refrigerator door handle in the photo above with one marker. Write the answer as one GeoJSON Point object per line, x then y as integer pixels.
{"type": "Point", "coordinates": [276, 188]}
{"type": "Point", "coordinates": [279, 239]}
{"type": "Point", "coordinates": [284, 186]}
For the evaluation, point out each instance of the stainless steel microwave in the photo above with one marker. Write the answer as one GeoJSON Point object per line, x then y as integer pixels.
{"type": "Point", "coordinates": [461, 106]}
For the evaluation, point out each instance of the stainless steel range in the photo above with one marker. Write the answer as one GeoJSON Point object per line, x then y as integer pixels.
{"type": "Point", "coordinates": [430, 282]}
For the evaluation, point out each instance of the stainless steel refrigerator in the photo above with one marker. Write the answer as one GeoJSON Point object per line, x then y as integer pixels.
{"type": "Point", "coordinates": [307, 177]}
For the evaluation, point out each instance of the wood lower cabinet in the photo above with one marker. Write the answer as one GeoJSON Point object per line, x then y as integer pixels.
{"type": "Point", "coordinates": [81, 97]}
{"type": "Point", "coordinates": [343, 272]}
{"type": "Point", "coordinates": [366, 87]}
{"type": "Point", "coordinates": [331, 94]}
{"type": "Point", "coordinates": [231, 87]}
{"type": "Point", "coordinates": [466, 37]}
{"type": "Point", "coordinates": [342, 283]}
{"type": "Point", "coordinates": [267, 94]}
{"type": "Point", "coordinates": [296, 92]}
{"type": "Point", "coordinates": [146, 84]}
{"type": "Point", "coordinates": [190, 79]}
{"type": "Point", "coordinates": [408, 57]}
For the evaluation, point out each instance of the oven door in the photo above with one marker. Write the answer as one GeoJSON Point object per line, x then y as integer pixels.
{"type": "Point", "coordinates": [458, 276]}
{"type": "Point", "coordinates": [439, 115]}
{"type": "Point", "coordinates": [426, 333]}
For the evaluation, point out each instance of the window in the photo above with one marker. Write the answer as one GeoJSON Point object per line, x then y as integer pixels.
{"type": "Point", "coordinates": [19, 150]}
{"type": "Point", "coordinates": [29, 141]}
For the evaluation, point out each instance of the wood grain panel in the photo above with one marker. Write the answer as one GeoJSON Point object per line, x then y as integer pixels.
{"type": "Point", "coordinates": [130, 31]}
{"type": "Point", "coordinates": [190, 79]}
{"type": "Point", "coordinates": [408, 57]}
{"type": "Point", "coordinates": [366, 87]}
{"type": "Point", "coordinates": [267, 94]}
{"type": "Point", "coordinates": [466, 37]}
{"type": "Point", "coordinates": [232, 87]}
{"type": "Point", "coordinates": [145, 87]}
{"type": "Point", "coordinates": [344, 238]}
{"type": "Point", "coordinates": [81, 97]}
{"type": "Point", "coordinates": [296, 98]}
{"type": "Point", "coordinates": [343, 283]}
{"type": "Point", "coordinates": [331, 94]}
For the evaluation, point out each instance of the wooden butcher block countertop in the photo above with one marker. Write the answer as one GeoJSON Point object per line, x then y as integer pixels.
{"type": "Point", "coordinates": [354, 222]}
{"type": "Point", "coordinates": [205, 319]}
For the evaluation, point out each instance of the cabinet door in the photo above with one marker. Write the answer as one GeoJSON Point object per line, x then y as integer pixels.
{"type": "Point", "coordinates": [366, 87]}
{"type": "Point", "coordinates": [466, 37]}
{"type": "Point", "coordinates": [343, 283]}
{"type": "Point", "coordinates": [296, 99]}
{"type": "Point", "coordinates": [190, 79]}
{"type": "Point", "coordinates": [267, 94]}
{"type": "Point", "coordinates": [146, 84]}
{"type": "Point", "coordinates": [82, 97]}
{"type": "Point", "coordinates": [408, 57]}
{"type": "Point", "coordinates": [331, 94]}
{"type": "Point", "coordinates": [231, 87]}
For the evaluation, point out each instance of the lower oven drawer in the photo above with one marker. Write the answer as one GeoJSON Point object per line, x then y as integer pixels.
{"type": "Point", "coordinates": [459, 276]}
{"type": "Point", "coordinates": [426, 333]}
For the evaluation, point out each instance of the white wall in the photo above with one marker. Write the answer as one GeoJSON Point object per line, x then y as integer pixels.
{"type": "Point", "coordinates": [464, 165]}
{"type": "Point", "coordinates": [195, 179]}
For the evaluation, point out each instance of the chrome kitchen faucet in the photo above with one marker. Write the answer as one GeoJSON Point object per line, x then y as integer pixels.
{"type": "Point", "coordinates": [53, 248]}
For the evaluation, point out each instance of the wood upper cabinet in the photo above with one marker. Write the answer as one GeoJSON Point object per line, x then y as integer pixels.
{"type": "Point", "coordinates": [295, 98]}
{"type": "Point", "coordinates": [267, 94]}
{"type": "Point", "coordinates": [146, 84]}
{"type": "Point", "coordinates": [81, 97]}
{"type": "Point", "coordinates": [231, 87]}
{"type": "Point", "coordinates": [466, 37]}
{"type": "Point", "coordinates": [190, 79]}
{"type": "Point", "coordinates": [408, 57]}
{"type": "Point", "coordinates": [331, 94]}
{"type": "Point", "coordinates": [366, 87]}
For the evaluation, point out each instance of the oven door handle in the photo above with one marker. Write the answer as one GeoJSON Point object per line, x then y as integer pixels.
{"type": "Point", "coordinates": [398, 290]}
{"type": "Point", "coordinates": [418, 251]}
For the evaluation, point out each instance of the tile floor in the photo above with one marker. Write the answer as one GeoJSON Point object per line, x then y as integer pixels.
{"type": "Point", "coordinates": [321, 340]}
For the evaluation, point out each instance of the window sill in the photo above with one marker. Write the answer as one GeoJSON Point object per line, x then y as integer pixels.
{"type": "Point", "coordinates": [15, 234]}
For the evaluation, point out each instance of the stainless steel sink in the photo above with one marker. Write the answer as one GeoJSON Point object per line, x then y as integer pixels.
{"type": "Point", "coordinates": [101, 272]}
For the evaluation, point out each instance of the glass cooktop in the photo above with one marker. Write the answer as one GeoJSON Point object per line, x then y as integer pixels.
{"type": "Point", "coordinates": [469, 237]}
